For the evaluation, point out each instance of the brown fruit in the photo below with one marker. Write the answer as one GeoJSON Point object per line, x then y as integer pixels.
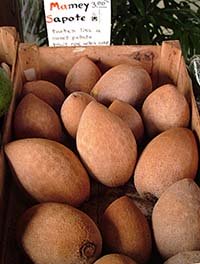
{"type": "Point", "coordinates": [130, 115]}
{"type": "Point", "coordinates": [48, 171]}
{"type": "Point", "coordinates": [46, 91]}
{"type": "Point", "coordinates": [125, 230]}
{"type": "Point", "coordinates": [186, 257]}
{"type": "Point", "coordinates": [165, 108]}
{"type": "Point", "coordinates": [35, 118]}
{"type": "Point", "coordinates": [115, 259]}
{"type": "Point", "coordinates": [169, 157]}
{"type": "Point", "coordinates": [106, 145]}
{"type": "Point", "coordinates": [53, 233]}
{"type": "Point", "coordinates": [72, 109]}
{"type": "Point", "coordinates": [176, 219]}
{"type": "Point", "coordinates": [124, 82]}
{"type": "Point", "coordinates": [82, 76]}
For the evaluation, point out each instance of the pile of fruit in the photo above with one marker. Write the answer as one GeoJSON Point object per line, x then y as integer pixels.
{"type": "Point", "coordinates": [115, 129]}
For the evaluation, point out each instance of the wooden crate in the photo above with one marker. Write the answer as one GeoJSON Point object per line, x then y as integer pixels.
{"type": "Point", "coordinates": [165, 64]}
{"type": "Point", "coordinates": [8, 53]}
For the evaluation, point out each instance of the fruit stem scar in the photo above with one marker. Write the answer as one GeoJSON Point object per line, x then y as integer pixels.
{"type": "Point", "coordinates": [88, 250]}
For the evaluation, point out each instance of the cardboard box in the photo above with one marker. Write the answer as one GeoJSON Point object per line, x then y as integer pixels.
{"type": "Point", "coordinates": [165, 64]}
{"type": "Point", "coordinates": [8, 54]}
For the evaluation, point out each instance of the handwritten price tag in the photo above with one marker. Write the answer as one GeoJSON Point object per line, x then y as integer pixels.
{"type": "Point", "coordinates": [78, 23]}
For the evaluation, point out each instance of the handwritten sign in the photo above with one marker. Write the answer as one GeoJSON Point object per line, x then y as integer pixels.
{"type": "Point", "coordinates": [78, 23]}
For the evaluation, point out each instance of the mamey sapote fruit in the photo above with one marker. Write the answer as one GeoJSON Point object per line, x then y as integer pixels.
{"type": "Point", "coordinates": [115, 259]}
{"type": "Point", "coordinates": [48, 171]}
{"type": "Point", "coordinates": [130, 115]}
{"type": "Point", "coordinates": [54, 233]}
{"type": "Point", "coordinates": [169, 157]}
{"type": "Point", "coordinates": [165, 108]}
{"type": "Point", "coordinates": [83, 76]}
{"type": "Point", "coordinates": [186, 257]}
{"type": "Point", "coordinates": [125, 230]}
{"type": "Point", "coordinates": [106, 145]}
{"type": "Point", "coordinates": [176, 219]}
{"type": "Point", "coordinates": [72, 110]}
{"type": "Point", "coordinates": [124, 82]}
{"type": "Point", "coordinates": [35, 118]}
{"type": "Point", "coordinates": [46, 91]}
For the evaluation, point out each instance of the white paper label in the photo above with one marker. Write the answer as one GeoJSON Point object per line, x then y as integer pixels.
{"type": "Point", "coordinates": [78, 23]}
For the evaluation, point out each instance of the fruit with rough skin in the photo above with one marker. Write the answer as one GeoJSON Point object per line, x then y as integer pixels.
{"type": "Point", "coordinates": [54, 233]}
{"type": "Point", "coordinates": [130, 84]}
{"type": "Point", "coordinates": [115, 259]}
{"type": "Point", "coordinates": [125, 230]}
{"type": "Point", "coordinates": [46, 91]}
{"type": "Point", "coordinates": [48, 171]}
{"type": "Point", "coordinates": [106, 145]}
{"type": "Point", "coordinates": [35, 118]}
{"type": "Point", "coordinates": [72, 109]}
{"type": "Point", "coordinates": [176, 219]}
{"type": "Point", "coordinates": [169, 157]}
{"type": "Point", "coordinates": [82, 76]}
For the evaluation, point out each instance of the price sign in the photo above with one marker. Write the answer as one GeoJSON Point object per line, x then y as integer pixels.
{"type": "Point", "coordinates": [78, 23]}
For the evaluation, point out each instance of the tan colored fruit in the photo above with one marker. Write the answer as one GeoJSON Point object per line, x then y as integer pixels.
{"type": "Point", "coordinates": [186, 257]}
{"type": "Point", "coordinates": [106, 145]}
{"type": "Point", "coordinates": [46, 91]}
{"type": "Point", "coordinates": [130, 115]}
{"type": "Point", "coordinates": [115, 259]}
{"type": "Point", "coordinates": [165, 108]}
{"type": "Point", "coordinates": [53, 233]}
{"type": "Point", "coordinates": [82, 76]}
{"type": "Point", "coordinates": [176, 219]}
{"type": "Point", "coordinates": [125, 230]}
{"type": "Point", "coordinates": [169, 157]}
{"type": "Point", "coordinates": [48, 171]}
{"type": "Point", "coordinates": [124, 82]}
{"type": "Point", "coordinates": [72, 109]}
{"type": "Point", "coordinates": [35, 118]}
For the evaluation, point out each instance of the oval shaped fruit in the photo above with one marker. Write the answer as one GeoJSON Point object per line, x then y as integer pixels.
{"type": "Point", "coordinates": [106, 145]}
{"type": "Point", "coordinates": [82, 76]}
{"type": "Point", "coordinates": [176, 219]}
{"type": "Point", "coordinates": [115, 259]}
{"type": "Point", "coordinates": [72, 109]}
{"type": "Point", "coordinates": [35, 118]}
{"type": "Point", "coordinates": [125, 230]}
{"type": "Point", "coordinates": [130, 115]}
{"type": "Point", "coordinates": [48, 171]}
{"type": "Point", "coordinates": [124, 82]}
{"type": "Point", "coordinates": [186, 257]}
{"type": "Point", "coordinates": [46, 91]}
{"type": "Point", "coordinates": [53, 233]}
{"type": "Point", "coordinates": [165, 108]}
{"type": "Point", "coordinates": [169, 157]}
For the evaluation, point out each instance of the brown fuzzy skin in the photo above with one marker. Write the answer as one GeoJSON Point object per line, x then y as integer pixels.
{"type": "Point", "coordinates": [125, 230]}
{"type": "Point", "coordinates": [130, 115]}
{"type": "Point", "coordinates": [35, 118]}
{"type": "Point", "coordinates": [46, 91]}
{"type": "Point", "coordinates": [72, 109]}
{"type": "Point", "coordinates": [176, 219]}
{"type": "Point", "coordinates": [165, 108]}
{"type": "Point", "coordinates": [48, 171]}
{"type": "Point", "coordinates": [169, 157]}
{"type": "Point", "coordinates": [186, 257]}
{"type": "Point", "coordinates": [115, 259]}
{"type": "Point", "coordinates": [106, 145]}
{"type": "Point", "coordinates": [124, 82]}
{"type": "Point", "coordinates": [82, 76]}
{"type": "Point", "coordinates": [53, 233]}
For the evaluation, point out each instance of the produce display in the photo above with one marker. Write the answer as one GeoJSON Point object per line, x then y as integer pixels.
{"type": "Point", "coordinates": [110, 130]}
